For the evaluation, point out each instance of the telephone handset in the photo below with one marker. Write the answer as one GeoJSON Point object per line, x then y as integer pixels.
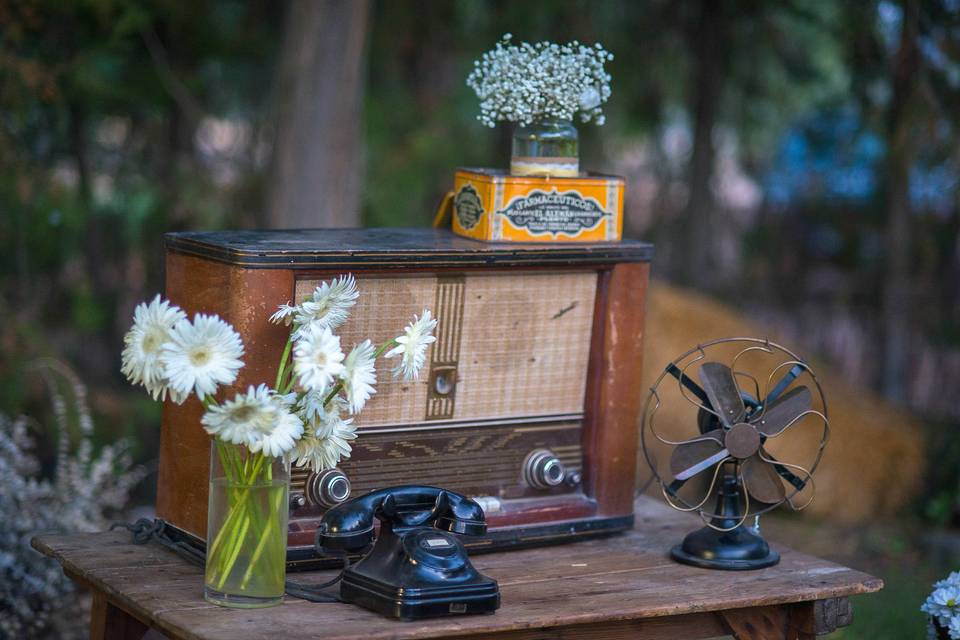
{"type": "Point", "coordinates": [415, 569]}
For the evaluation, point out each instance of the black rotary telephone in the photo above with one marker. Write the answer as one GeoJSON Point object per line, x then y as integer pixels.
{"type": "Point", "coordinates": [416, 568]}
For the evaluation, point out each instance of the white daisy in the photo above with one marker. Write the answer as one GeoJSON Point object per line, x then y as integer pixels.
{"type": "Point", "coordinates": [412, 346]}
{"type": "Point", "coordinates": [201, 355]}
{"type": "Point", "coordinates": [359, 376]}
{"type": "Point", "coordinates": [329, 305]}
{"type": "Point", "coordinates": [151, 328]}
{"type": "Point", "coordinates": [259, 419]}
{"type": "Point", "coordinates": [317, 358]}
{"type": "Point", "coordinates": [953, 626]}
{"type": "Point", "coordinates": [239, 420]}
{"type": "Point", "coordinates": [943, 602]}
{"type": "Point", "coordinates": [286, 432]}
{"type": "Point", "coordinates": [284, 314]}
{"type": "Point", "coordinates": [322, 452]}
{"type": "Point", "coordinates": [320, 419]}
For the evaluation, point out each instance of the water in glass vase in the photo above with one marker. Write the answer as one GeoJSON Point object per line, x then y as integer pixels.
{"type": "Point", "coordinates": [246, 530]}
{"type": "Point", "coordinates": [546, 148]}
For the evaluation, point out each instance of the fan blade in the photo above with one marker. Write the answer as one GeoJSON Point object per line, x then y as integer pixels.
{"type": "Point", "coordinates": [761, 480]}
{"type": "Point", "coordinates": [785, 382]}
{"type": "Point", "coordinates": [688, 382]}
{"type": "Point", "coordinates": [690, 458]}
{"type": "Point", "coordinates": [703, 465]}
{"type": "Point", "coordinates": [698, 391]}
{"type": "Point", "coordinates": [720, 387]}
{"type": "Point", "coordinates": [777, 416]}
{"type": "Point", "coordinates": [675, 486]}
{"type": "Point", "coordinates": [795, 480]}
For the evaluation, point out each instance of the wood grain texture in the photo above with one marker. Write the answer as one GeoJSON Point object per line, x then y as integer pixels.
{"type": "Point", "coordinates": [245, 298]}
{"type": "Point", "coordinates": [624, 586]}
{"type": "Point", "coordinates": [611, 429]}
{"type": "Point", "coordinates": [108, 622]}
{"type": "Point", "coordinates": [385, 248]}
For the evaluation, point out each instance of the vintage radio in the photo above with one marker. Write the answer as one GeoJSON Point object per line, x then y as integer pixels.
{"type": "Point", "coordinates": [528, 403]}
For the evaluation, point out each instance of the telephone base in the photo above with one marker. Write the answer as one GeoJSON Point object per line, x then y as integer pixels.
{"type": "Point", "coordinates": [395, 601]}
{"type": "Point", "coordinates": [419, 572]}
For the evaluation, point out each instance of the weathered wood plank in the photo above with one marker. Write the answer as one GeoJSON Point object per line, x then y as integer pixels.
{"type": "Point", "coordinates": [107, 622]}
{"type": "Point", "coordinates": [614, 587]}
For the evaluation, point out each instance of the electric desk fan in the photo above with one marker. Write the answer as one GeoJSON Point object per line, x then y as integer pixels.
{"type": "Point", "coordinates": [733, 433]}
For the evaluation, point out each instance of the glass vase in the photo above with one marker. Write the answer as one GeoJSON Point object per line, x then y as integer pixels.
{"type": "Point", "coordinates": [547, 147]}
{"type": "Point", "coordinates": [246, 528]}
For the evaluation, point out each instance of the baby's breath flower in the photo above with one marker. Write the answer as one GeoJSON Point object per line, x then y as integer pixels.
{"type": "Point", "coordinates": [529, 82]}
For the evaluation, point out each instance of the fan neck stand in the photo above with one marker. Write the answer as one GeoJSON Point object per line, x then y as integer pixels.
{"type": "Point", "coordinates": [739, 549]}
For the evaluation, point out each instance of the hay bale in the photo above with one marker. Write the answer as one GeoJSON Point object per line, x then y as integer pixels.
{"type": "Point", "coordinates": [874, 461]}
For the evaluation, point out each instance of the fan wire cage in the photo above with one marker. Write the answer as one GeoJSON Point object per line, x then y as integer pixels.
{"type": "Point", "coordinates": [775, 398]}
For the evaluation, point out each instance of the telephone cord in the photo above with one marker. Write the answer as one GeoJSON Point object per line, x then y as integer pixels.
{"type": "Point", "coordinates": [145, 530]}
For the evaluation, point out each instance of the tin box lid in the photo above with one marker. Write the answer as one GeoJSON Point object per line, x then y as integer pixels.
{"type": "Point", "coordinates": [390, 247]}
{"type": "Point", "coordinates": [486, 175]}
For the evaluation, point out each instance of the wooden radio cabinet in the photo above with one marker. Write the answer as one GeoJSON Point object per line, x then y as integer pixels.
{"type": "Point", "coordinates": [528, 401]}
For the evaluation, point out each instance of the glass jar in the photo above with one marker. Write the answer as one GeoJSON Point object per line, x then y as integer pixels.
{"type": "Point", "coordinates": [247, 515]}
{"type": "Point", "coordinates": [548, 147]}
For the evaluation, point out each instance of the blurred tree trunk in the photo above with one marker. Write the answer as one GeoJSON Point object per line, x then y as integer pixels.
{"type": "Point", "coordinates": [709, 43]}
{"type": "Point", "coordinates": [902, 147]}
{"type": "Point", "coordinates": [315, 176]}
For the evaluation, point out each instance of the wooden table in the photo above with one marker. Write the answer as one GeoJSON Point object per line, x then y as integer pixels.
{"type": "Point", "coordinates": [618, 587]}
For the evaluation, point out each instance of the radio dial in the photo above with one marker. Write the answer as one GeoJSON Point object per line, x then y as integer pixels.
{"type": "Point", "coordinates": [328, 488]}
{"type": "Point", "coordinates": [543, 470]}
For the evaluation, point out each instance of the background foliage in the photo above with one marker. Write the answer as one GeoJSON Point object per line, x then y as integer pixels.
{"type": "Point", "coordinates": [798, 158]}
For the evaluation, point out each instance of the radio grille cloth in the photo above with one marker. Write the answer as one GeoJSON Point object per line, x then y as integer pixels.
{"type": "Point", "coordinates": [524, 342]}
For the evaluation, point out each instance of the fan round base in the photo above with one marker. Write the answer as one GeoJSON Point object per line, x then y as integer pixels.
{"type": "Point", "coordinates": [678, 554]}
{"type": "Point", "coordinates": [740, 549]}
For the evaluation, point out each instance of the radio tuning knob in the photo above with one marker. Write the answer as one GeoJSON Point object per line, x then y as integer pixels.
{"type": "Point", "coordinates": [543, 470]}
{"type": "Point", "coordinates": [297, 501]}
{"type": "Point", "coordinates": [328, 488]}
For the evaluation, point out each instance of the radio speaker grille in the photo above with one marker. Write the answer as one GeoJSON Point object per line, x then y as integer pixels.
{"type": "Point", "coordinates": [508, 345]}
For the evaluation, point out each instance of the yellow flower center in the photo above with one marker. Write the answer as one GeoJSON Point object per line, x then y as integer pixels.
{"type": "Point", "coordinates": [244, 413]}
{"type": "Point", "coordinates": [199, 356]}
{"type": "Point", "coordinates": [320, 358]}
{"type": "Point", "coordinates": [151, 341]}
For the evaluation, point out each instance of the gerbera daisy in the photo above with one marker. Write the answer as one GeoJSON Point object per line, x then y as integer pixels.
{"type": "Point", "coordinates": [359, 376]}
{"type": "Point", "coordinates": [201, 355]}
{"type": "Point", "coordinates": [324, 451]}
{"type": "Point", "coordinates": [284, 314]}
{"type": "Point", "coordinates": [286, 432]}
{"type": "Point", "coordinates": [317, 358]}
{"type": "Point", "coordinates": [412, 346]}
{"type": "Point", "coordinates": [237, 420]}
{"type": "Point", "coordinates": [329, 305]}
{"type": "Point", "coordinates": [315, 416]}
{"type": "Point", "coordinates": [151, 328]}
{"type": "Point", "coordinates": [258, 419]}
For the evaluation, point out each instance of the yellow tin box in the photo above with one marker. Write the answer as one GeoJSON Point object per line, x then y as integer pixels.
{"type": "Point", "coordinates": [491, 204]}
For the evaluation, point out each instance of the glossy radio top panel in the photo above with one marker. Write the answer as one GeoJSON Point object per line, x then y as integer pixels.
{"type": "Point", "coordinates": [509, 344]}
{"type": "Point", "coordinates": [357, 249]}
